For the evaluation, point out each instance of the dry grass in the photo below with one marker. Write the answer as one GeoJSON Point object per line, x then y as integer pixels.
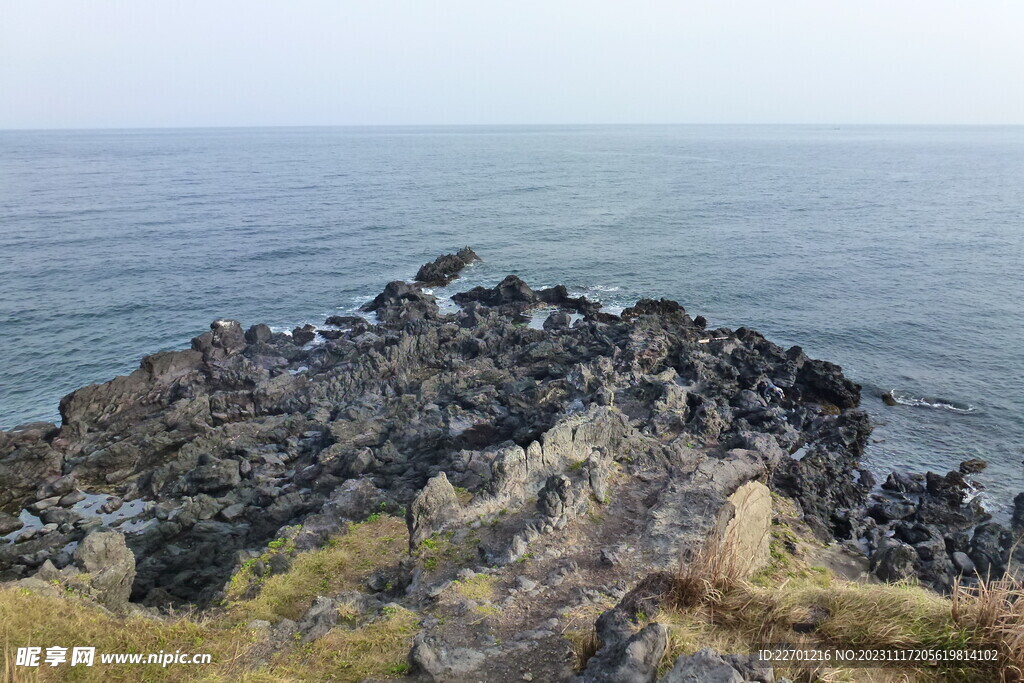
{"type": "Point", "coordinates": [711, 604]}
{"type": "Point", "coordinates": [377, 649]}
{"type": "Point", "coordinates": [579, 631]}
{"type": "Point", "coordinates": [715, 568]}
{"type": "Point", "coordinates": [479, 587]}
{"type": "Point", "coordinates": [29, 619]}
{"type": "Point", "coordinates": [585, 645]}
{"type": "Point", "coordinates": [995, 609]}
{"type": "Point", "coordinates": [340, 565]}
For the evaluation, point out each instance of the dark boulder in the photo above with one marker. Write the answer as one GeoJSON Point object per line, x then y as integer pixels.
{"type": "Point", "coordinates": [1017, 520]}
{"type": "Point", "coordinates": [303, 335]}
{"type": "Point", "coordinates": [972, 466]}
{"type": "Point", "coordinates": [344, 320]}
{"type": "Point", "coordinates": [258, 334]}
{"type": "Point", "coordinates": [444, 269]}
{"type": "Point", "coordinates": [559, 320]}
{"type": "Point", "coordinates": [904, 482]}
{"type": "Point", "coordinates": [894, 562]}
{"type": "Point", "coordinates": [402, 303]}
{"type": "Point", "coordinates": [821, 381]}
{"type": "Point", "coordinates": [224, 339]}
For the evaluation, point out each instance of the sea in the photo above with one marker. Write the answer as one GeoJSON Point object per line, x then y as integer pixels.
{"type": "Point", "coordinates": [896, 252]}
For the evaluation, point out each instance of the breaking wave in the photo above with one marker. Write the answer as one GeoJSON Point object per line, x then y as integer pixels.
{"type": "Point", "coordinates": [906, 398]}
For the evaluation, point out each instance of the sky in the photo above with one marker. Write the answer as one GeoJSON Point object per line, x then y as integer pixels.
{"type": "Point", "coordinates": [162, 63]}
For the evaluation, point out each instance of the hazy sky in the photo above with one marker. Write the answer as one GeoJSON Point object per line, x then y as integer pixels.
{"type": "Point", "coordinates": [106, 63]}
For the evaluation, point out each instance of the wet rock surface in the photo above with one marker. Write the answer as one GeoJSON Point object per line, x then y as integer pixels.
{"type": "Point", "coordinates": [566, 463]}
{"type": "Point", "coordinates": [444, 269]}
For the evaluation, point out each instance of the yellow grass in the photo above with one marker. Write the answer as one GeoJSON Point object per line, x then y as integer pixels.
{"type": "Point", "coordinates": [28, 619]}
{"type": "Point", "coordinates": [710, 604]}
{"type": "Point", "coordinates": [342, 564]}
{"type": "Point", "coordinates": [378, 650]}
{"type": "Point", "coordinates": [375, 649]}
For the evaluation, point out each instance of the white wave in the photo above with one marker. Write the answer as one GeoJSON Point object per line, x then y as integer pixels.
{"type": "Point", "coordinates": [908, 399]}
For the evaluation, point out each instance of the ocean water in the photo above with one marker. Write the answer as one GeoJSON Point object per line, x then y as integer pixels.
{"type": "Point", "coordinates": [893, 251]}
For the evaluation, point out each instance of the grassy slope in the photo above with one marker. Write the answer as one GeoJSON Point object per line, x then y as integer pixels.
{"type": "Point", "coordinates": [351, 651]}
{"type": "Point", "coordinates": [709, 606]}
{"type": "Point", "coordinates": [712, 605]}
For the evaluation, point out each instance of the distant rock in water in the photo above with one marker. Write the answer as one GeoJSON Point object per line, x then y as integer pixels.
{"type": "Point", "coordinates": [444, 269]}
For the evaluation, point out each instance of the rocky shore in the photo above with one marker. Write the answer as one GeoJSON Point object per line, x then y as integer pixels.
{"type": "Point", "coordinates": [553, 466]}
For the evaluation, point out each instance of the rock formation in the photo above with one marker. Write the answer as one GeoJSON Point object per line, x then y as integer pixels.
{"type": "Point", "coordinates": [492, 436]}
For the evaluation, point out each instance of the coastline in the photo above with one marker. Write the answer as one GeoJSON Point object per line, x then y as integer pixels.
{"type": "Point", "coordinates": [594, 454]}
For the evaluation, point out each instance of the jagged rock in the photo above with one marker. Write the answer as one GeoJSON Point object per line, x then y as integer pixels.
{"type": "Point", "coordinates": [400, 302]}
{"type": "Point", "coordinates": [443, 665]}
{"type": "Point", "coordinates": [559, 320]}
{"type": "Point", "coordinates": [423, 658]}
{"type": "Point", "coordinates": [109, 566]}
{"type": "Point", "coordinates": [825, 482]}
{"type": "Point", "coordinates": [356, 499]}
{"type": "Point", "coordinates": [344, 320]}
{"type": "Point", "coordinates": [555, 497]}
{"type": "Point", "coordinates": [320, 618]}
{"type": "Point", "coordinates": [26, 459]}
{"type": "Point", "coordinates": [303, 335]}
{"type": "Point", "coordinates": [707, 666]}
{"type": "Point", "coordinates": [258, 334]}
{"type": "Point", "coordinates": [889, 510]}
{"type": "Point", "coordinates": [446, 268]}
{"type": "Point", "coordinates": [824, 381]}
{"type": "Point", "coordinates": [903, 482]}
{"type": "Point", "coordinates": [894, 562]}
{"type": "Point", "coordinates": [1017, 520]}
{"type": "Point", "coordinates": [625, 657]}
{"type": "Point", "coordinates": [434, 508]}
{"type": "Point", "coordinates": [224, 339]}
{"type": "Point", "coordinates": [989, 550]}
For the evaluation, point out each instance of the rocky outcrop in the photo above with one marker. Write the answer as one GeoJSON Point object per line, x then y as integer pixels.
{"type": "Point", "coordinates": [933, 528]}
{"type": "Point", "coordinates": [560, 465]}
{"type": "Point", "coordinates": [213, 450]}
{"type": "Point", "coordinates": [402, 303]}
{"type": "Point", "coordinates": [432, 510]}
{"type": "Point", "coordinates": [708, 666]}
{"type": "Point", "coordinates": [28, 462]}
{"type": "Point", "coordinates": [103, 570]}
{"type": "Point", "coordinates": [442, 270]}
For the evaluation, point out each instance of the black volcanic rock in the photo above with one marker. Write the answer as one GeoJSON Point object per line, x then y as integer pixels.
{"type": "Point", "coordinates": [444, 269]}
{"type": "Point", "coordinates": [401, 302]}
{"type": "Point", "coordinates": [485, 431]}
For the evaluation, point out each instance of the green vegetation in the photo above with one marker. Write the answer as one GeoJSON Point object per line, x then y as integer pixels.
{"type": "Point", "coordinates": [711, 604]}
{"type": "Point", "coordinates": [377, 650]}
{"type": "Point", "coordinates": [479, 587]}
{"type": "Point", "coordinates": [443, 550]}
{"type": "Point", "coordinates": [360, 646]}
{"type": "Point", "coordinates": [340, 565]}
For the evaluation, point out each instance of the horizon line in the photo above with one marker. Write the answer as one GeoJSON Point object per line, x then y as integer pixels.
{"type": "Point", "coordinates": [70, 129]}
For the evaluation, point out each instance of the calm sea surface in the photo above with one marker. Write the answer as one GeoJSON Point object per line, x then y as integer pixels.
{"type": "Point", "coordinates": [895, 252]}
